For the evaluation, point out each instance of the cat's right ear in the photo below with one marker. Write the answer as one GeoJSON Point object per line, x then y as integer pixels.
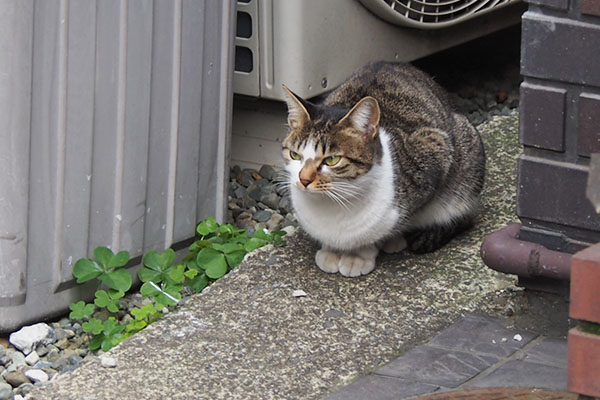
{"type": "Point", "coordinates": [297, 113]}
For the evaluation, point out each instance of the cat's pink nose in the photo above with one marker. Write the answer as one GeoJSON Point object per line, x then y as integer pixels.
{"type": "Point", "coordinates": [305, 181]}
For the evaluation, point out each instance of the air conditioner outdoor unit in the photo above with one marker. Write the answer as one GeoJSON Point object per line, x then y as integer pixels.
{"type": "Point", "coordinates": [312, 46]}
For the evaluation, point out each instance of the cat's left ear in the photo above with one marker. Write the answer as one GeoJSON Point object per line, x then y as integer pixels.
{"type": "Point", "coordinates": [364, 117]}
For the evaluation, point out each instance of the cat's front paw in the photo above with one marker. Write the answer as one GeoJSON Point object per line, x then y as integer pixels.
{"type": "Point", "coordinates": [353, 265]}
{"type": "Point", "coordinates": [328, 261]}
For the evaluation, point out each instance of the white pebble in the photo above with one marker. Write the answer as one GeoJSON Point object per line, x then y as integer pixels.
{"type": "Point", "coordinates": [108, 362]}
{"type": "Point", "coordinates": [518, 337]}
{"type": "Point", "coordinates": [299, 293]}
{"type": "Point", "coordinates": [32, 358]}
{"type": "Point", "coordinates": [504, 339]}
{"type": "Point", "coordinates": [36, 375]}
{"type": "Point", "coordinates": [27, 337]}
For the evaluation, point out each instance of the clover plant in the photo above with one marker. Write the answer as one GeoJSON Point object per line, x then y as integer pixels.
{"type": "Point", "coordinates": [219, 249]}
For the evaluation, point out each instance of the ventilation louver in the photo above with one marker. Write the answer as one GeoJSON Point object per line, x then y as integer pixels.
{"type": "Point", "coordinates": [430, 14]}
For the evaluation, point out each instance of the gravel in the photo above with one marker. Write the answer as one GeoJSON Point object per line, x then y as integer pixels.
{"type": "Point", "coordinates": [480, 88]}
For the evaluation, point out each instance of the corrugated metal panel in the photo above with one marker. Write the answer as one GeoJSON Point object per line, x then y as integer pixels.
{"type": "Point", "coordinates": [115, 119]}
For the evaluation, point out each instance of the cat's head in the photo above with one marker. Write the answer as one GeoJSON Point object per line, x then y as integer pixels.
{"type": "Point", "coordinates": [326, 144]}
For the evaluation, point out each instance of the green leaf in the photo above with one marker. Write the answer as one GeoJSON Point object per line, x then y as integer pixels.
{"type": "Point", "coordinates": [207, 256]}
{"type": "Point", "coordinates": [227, 229]}
{"type": "Point", "coordinates": [254, 243]}
{"type": "Point", "coordinates": [135, 325]}
{"type": "Point", "coordinates": [103, 255]}
{"type": "Point", "coordinates": [176, 273]}
{"type": "Point", "coordinates": [198, 283]}
{"type": "Point", "coordinates": [260, 234]}
{"type": "Point", "coordinates": [217, 268]}
{"type": "Point", "coordinates": [96, 342]}
{"type": "Point", "coordinates": [149, 289]}
{"type": "Point", "coordinates": [235, 258]}
{"type": "Point", "coordinates": [94, 325]}
{"type": "Point", "coordinates": [232, 247]}
{"type": "Point", "coordinates": [104, 300]}
{"type": "Point", "coordinates": [191, 273]}
{"type": "Point", "coordinates": [146, 275]}
{"type": "Point", "coordinates": [167, 258]}
{"type": "Point", "coordinates": [119, 279]}
{"type": "Point", "coordinates": [152, 260]}
{"type": "Point", "coordinates": [166, 295]}
{"type": "Point", "coordinates": [80, 310]}
{"type": "Point", "coordinates": [120, 259]}
{"type": "Point", "coordinates": [85, 270]}
{"type": "Point", "coordinates": [207, 226]}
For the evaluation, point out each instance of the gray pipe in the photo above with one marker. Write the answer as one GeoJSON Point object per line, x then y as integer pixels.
{"type": "Point", "coordinates": [502, 251]}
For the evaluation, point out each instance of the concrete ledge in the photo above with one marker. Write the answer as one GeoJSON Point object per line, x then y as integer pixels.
{"type": "Point", "coordinates": [247, 337]}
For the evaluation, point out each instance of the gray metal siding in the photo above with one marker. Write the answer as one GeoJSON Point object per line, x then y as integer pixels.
{"type": "Point", "coordinates": [115, 119]}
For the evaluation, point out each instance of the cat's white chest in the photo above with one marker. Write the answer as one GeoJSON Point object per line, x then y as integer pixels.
{"type": "Point", "coordinates": [362, 219]}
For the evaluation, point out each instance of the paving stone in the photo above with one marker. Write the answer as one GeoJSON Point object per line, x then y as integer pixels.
{"type": "Point", "coordinates": [548, 351]}
{"type": "Point", "coordinates": [438, 366]}
{"type": "Point", "coordinates": [484, 335]}
{"type": "Point", "coordinates": [517, 373]}
{"type": "Point", "coordinates": [375, 387]}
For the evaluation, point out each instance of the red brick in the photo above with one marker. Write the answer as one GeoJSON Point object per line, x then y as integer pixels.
{"type": "Point", "coordinates": [585, 285]}
{"type": "Point", "coordinates": [591, 7]}
{"type": "Point", "coordinates": [584, 363]}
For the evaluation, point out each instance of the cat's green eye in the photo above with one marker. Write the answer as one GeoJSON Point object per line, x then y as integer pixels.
{"type": "Point", "coordinates": [294, 155]}
{"type": "Point", "coordinates": [332, 160]}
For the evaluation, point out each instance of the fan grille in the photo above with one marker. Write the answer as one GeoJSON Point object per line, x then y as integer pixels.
{"type": "Point", "coordinates": [430, 13]}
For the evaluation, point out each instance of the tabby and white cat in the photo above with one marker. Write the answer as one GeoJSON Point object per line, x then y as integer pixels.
{"type": "Point", "coordinates": [384, 162]}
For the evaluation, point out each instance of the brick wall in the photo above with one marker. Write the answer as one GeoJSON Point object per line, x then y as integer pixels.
{"type": "Point", "coordinates": [560, 122]}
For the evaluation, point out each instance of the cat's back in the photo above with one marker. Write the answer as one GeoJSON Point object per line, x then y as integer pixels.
{"type": "Point", "coordinates": [407, 96]}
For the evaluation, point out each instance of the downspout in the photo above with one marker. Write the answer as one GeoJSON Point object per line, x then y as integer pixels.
{"type": "Point", "coordinates": [504, 252]}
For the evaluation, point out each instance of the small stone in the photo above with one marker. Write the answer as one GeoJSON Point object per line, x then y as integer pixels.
{"type": "Point", "coordinates": [271, 200]}
{"type": "Point", "coordinates": [256, 175]}
{"type": "Point", "coordinates": [245, 178]}
{"type": "Point", "coordinates": [32, 358]}
{"type": "Point", "coordinates": [27, 337]}
{"type": "Point", "coordinates": [51, 373]}
{"type": "Point", "coordinates": [62, 343]}
{"type": "Point", "coordinates": [289, 229]}
{"type": "Point", "coordinates": [3, 344]}
{"type": "Point", "coordinates": [240, 192]}
{"type": "Point", "coordinates": [262, 216]}
{"type": "Point", "coordinates": [274, 221]}
{"type": "Point", "coordinates": [6, 392]}
{"type": "Point", "coordinates": [501, 96]}
{"type": "Point", "coordinates": [42, 365]}
{"type": "Point", "coordinates": [41, 350]}
{"type": "Point", "coordinates": [69, 333]}
{"type": "Point", "coordinates": [267, 172]}
{"type": "Point", "coordinates": [18, 359]}
{"type": "Point", "coordinates": [517, 338]}
{"type": "Point", "coordinates": [64, 323]}
{"type": "Point", "coordinates": [53, 355]}
{"type": "Point", "coordinates": [285, 205]}
{"type": "Point", "coordinates": [290, 220]}
{"type": "Point", "coordinates": [75, 360]}
{"type": "Point", "coordinates": [16, 378]}
{"type": "Point", "coordinates": [299, 293]}
{"type": "Point", "coordinates": [108, 362]}
{"type": "Point", "coordinates": [24, 389]}
{"type": "Point", "coordinates": [36, 375]}
{"type": "Point", "coordinates": [514, 103]}
{"type": "Point", "coordinates": [4, 360]}
{"type": "Point", "coordinates": [18, 397]}
{"type": "Point", "coordinates": [77, 328]}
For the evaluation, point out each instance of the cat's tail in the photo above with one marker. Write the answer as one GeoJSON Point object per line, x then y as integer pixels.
{"type": "Point", "coordinates": [426, 240]}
